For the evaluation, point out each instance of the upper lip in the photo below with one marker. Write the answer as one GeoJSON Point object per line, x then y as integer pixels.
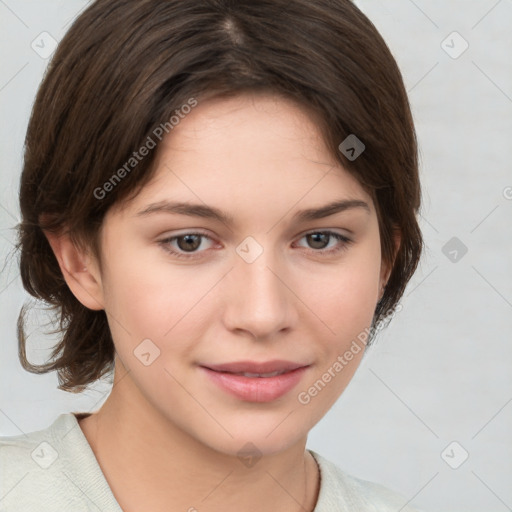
{"type": "Point", "coordinates": [256, 367]}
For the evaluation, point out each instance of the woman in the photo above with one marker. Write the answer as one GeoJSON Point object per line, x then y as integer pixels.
{"type": "Point", "coordinates": [219, 200]}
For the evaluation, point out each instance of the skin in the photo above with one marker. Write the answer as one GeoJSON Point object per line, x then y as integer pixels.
{"type": "Point", "coordinates": [166, 434]}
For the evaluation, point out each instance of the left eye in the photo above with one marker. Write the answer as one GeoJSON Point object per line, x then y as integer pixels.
{"type": "Point", "coordinates": [319, 240]}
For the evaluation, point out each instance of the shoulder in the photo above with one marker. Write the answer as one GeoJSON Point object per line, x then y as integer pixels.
{"type": "Point", "coordinates": [39, 468]}
{"type": "Point", "coordinates": [340, 491]}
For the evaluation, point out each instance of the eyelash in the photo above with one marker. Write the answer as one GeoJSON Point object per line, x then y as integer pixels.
{"type": "Point", "coordinates": [322, 252]}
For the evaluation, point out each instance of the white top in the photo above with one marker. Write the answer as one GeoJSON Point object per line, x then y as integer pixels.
{"type": "Point", "coordinates": [56, 470]}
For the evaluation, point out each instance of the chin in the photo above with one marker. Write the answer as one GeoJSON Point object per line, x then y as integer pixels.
{"type": "Point", "coordinates": [264, 437]}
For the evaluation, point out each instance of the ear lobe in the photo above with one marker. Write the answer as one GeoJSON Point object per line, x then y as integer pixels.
{"type": "Point", "coordinates": [79, 270]}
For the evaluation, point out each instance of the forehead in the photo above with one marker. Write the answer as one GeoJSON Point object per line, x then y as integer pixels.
{"type": "Point", "coordinates": [248, 148]}
{"type": "Point", "coordinates": [251, 126]}
{"type": "Point", "coordinates": [235, 108]}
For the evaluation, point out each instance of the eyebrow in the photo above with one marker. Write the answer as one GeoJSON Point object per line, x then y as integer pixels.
{"type": "Point", "coordinates": [209, 212]}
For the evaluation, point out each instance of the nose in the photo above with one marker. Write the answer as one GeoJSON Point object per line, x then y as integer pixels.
{"type": "Point", "coordinates": [259, 301]}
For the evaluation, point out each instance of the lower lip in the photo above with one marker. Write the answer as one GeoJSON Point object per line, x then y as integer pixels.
{"type": "Point", "coordinates": [256, 389]}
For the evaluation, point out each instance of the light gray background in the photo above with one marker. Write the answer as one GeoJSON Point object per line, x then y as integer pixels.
{"type": "Point", "coordinates": [441, 372]}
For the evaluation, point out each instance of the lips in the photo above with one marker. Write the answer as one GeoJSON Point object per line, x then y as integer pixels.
{"type": "Point", "coordinates": [254, 382]}
{"type": "Point", "coordinates": [256, 369]}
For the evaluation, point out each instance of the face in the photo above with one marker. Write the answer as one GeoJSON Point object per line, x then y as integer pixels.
{"type": "Point", "coordinates": [229, 255]}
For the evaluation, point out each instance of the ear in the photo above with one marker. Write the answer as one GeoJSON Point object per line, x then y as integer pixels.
{"type": "Point", "coordinates": [387, 267]}
{"type": "Point", "coordinates": [79, 269]}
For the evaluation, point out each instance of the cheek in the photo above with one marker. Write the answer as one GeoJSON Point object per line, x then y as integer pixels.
{"type": "Point", "coordinates": [147, 297]}
{"type": "Point", "coordinates": [345, 303]}
{"type": "Point", "coordinates": [134, 290]}
{"type": "Point", "coordinates": [346, 297]}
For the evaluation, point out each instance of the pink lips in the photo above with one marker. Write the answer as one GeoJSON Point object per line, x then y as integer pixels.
{"type": "Point", "coordinates": [255, 367]}
{"type": "Point", "coordinates": [254, 388]}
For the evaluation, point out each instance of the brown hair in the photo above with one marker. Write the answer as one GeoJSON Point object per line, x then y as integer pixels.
{"type": "Point", "coordinates": [126, 66]}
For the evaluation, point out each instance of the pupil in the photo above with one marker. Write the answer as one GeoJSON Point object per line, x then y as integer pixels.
{"type": "Point", "coordinates": [318, 240]}
{"type": "Point", "coordinates": [191, 242]}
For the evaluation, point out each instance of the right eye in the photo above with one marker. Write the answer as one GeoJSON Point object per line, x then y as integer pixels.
{"type": "Point", "coordinates": [185, 245]}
